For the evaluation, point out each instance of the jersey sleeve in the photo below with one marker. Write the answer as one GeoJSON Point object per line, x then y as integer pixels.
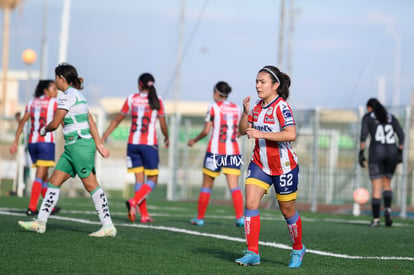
{"type": "Point", "coordinates": [161, 111]}
{"type": "Point", "coordinates": [126, 107]}
{"type": "Point", "coordinates": [65, 101]}
{"type": "Point", "coordinates": [398, 130]}
{"type": "Point", "coordinates": [209, 114]}
{"type": "Point", "coordinates": [284, 115]}
{"type": "Point", "coordinates": [364, 128]}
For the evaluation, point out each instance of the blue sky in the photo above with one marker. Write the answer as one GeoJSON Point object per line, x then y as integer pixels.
{"type": "Point", "coordinates": [340, 48]}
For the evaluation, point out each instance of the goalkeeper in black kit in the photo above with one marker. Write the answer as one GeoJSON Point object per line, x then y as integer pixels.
{"type": "Point", "coordinates": [384, 154]}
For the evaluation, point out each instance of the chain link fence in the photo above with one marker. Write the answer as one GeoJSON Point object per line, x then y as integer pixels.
{"type": "Point", "coordinates": [327, 145]}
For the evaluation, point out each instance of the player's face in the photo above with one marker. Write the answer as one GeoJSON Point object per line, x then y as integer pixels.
{"type": "Point", "coordinates": [265, 87]}
{"type": "Point", "coordinates": [51, 91]}
{"type": "Point", "coordinates": [59, 81]}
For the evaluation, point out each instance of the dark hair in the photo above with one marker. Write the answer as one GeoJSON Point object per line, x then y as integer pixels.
{"type": "Point", "coordinates": [223, 88]}
{"type": "Point", "coordinates": [379, 110]}
{"type": "Point", "coordinates": [146, 81]}
{"type": "Point", "coordinates": [280, 77]}
{"type": "Point", "coordinates": [41, 86]}
{"type": "Point", "coordinates": [69, 73]}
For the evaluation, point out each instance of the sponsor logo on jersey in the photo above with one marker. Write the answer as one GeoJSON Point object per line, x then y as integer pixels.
{"type": "Point", "coordinates": [263, 128]}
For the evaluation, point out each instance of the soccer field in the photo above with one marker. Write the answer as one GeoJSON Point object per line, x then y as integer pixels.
{"type": "Point", "coordinates": [336, 244]}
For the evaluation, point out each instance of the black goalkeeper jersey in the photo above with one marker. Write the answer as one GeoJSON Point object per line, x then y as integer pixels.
{"type": "Point", "coordinates": [383, 141]}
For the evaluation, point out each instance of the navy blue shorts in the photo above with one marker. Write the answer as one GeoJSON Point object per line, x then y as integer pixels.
{"type": "Point", "coordinates": [286, 185]}
{"type": "Point", "coordinates": [42, 154]}
{"type": "Point", "coordinates": [142, 158]}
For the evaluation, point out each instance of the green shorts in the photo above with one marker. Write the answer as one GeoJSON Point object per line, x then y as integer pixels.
{"type": "Point", "coordinates": [78, 158]}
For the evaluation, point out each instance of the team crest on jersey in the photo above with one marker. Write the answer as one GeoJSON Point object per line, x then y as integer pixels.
{"type": "Point", "coordinates": [269, 111]}
{"type": "Point", "coordinates": [269, 119]}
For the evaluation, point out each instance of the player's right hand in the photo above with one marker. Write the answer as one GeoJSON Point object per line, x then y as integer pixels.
{"type": "Point", "coordinates": [246, 105]}
{"type": "Point", "coordinates": [361, 158]}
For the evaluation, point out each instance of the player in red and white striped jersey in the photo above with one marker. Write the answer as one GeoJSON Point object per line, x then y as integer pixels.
{"type": "Point", "coordinates": [223, 153]}
{"type": "Point", "coordinates": [145, 108]}
{"type": "Point", "coordinates": [40, 110]}
{"type": "Point", "coordinates": [274, 162]}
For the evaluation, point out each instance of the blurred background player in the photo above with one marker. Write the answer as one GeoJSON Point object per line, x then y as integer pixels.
{"type": "Point", "coordinates": [81, 142]}
{"type": "Point", "coordinates": [40, 110]}
{"type": "Point", "coordinates": [274, 162]}
{"type": "Point", "coordinates": [383, 157]}
{"type": "Point", "coordinates": [145, 108]}
{"type": "Point", "coordinates": [223, 153]}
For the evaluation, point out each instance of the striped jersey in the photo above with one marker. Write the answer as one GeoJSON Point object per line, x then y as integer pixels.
{"type": "Point", "coordinates": [143, 122]}
{"type": "Point", "coordinates": [41, 110]}
{"type": "Point", "coordinates": [76, 120]}
{"type": "Point", "coordinates": [225, 116]}
{"type": "Point", "coordinates": [274, 158]}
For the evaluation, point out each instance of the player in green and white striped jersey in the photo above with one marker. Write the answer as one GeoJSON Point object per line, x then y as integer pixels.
{"type": "Point", "coordinates": [81, 142]}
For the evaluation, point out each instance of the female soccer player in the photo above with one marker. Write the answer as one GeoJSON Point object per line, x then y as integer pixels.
{"type": "Point", "coordinates": [81, 142]}
{"type": "Point", "coordinates": [40, 110]}
{"type": "Point", "coordinates": [223, 151]}
{"type": "Point", "coordinates": [384, 155]}
{"type": "Point", "coordinates": [145, 108]}
{"type": "Point", "coordinates": [274, 162]}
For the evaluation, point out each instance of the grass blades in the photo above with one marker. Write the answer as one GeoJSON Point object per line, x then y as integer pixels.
{"type": "Point", "coordinates": [171, 245]}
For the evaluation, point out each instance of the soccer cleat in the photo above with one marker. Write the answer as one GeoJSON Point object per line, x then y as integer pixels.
{"type": "Point", "coordinates": [196, 221]}
{"type": "Point", "coordinates": [296, 257]}
{"type": "Point", "coordinates": [35, 226]}
{"type": "Point", "coordinates": [108, 230]}
{"type": "Point", "coordinates": [374, 223]}
{"type": "Point", "coordinates": [132, 210]}
{"type": "Point", "coordinates": [240, 222]}
{"type": "Point", "coordinates": [250, 258]}
{"type": "Point", "coordinates": [387, 214]}
{"type": "Point", "coordinates": [146, 219]}
{"type": "Point", "coordinates": [30, 212]}
{"type": "Point", "coordinates": [56, 210]}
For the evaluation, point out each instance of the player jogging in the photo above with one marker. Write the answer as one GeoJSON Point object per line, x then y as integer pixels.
{"type": "Point", "coordinates": [40, 110]}
{"type": "Point", "coordinates": [384, 155]}
{"type": "Point", "coordinates": [81, 142]}
{"type": "Point", "coordinates": [274, 162]}
{"type": "Point", "coordinates": [223, 153]}
{"type": "Point", "coordinates": [145, 108]}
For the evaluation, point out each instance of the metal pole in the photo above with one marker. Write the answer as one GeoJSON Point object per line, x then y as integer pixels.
{"type": "Point", "coordinates": [6, 22]}
{"type": "Point", "coordinates": [404, 176]}
{"type": "Point", "coordinates": [315, 162]}
{"type": "Point", "coordinates": [43, 53]}
{"type": "Point", "coordinates": [281, 33]}
{"type": "Point", "coordinates": [64, 32]}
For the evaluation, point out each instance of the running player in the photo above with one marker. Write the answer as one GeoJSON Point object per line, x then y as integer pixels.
{"type": "Point", "coordinates": [384, 155]}
{"type": "Point", "coordinates": [274, 162]}
{"type": "Point", "coordinates": [40, 110]}
{"type": "Point", "coordinates": [145, 108]}
{"type": "Point", "coordinates": [81, 142]}
{"type": "Point", "coordinates": [223, 153]}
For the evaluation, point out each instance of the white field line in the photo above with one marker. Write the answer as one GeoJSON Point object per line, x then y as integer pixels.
{"type": "Point", "coordinates": [6, 211]}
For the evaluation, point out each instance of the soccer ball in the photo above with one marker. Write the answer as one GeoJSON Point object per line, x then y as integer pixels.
{"type": "Point", "coordinates": [361, 196]}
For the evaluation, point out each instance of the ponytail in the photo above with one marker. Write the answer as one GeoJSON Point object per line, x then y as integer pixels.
{"type": "Point", "coordinates": [146, 81]}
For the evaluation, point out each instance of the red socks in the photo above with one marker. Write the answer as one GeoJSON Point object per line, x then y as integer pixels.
{"type": "Point", "coordinates": [203, 201]}
{"type": "Point", "coordinates": [295, 231]}
{"type": "Point", "coordinates": [237, 202]}
{"type": "Point", "coordinates": [36, 190]}
{"type": "Point", "coordinates": [252, 230]}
